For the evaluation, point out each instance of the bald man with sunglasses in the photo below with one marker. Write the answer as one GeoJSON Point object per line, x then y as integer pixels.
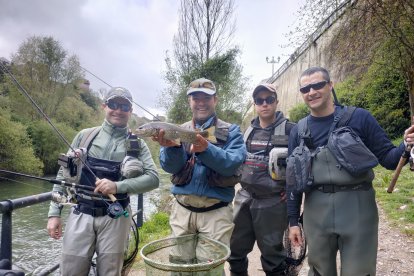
{"type": "Point", "coordinates": [339, 212]}
{"type": "Point", "coordinates": [260, 205]}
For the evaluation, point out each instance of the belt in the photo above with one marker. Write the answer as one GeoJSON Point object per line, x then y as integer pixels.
{"type": "Point", "coordinates": [95, 212]}
{"type": "Point", "coordinates": [332, 188]}
{"type": "Point", "coordinates": [204, 209]}
{"type": "Point", "coordinates": [264, 196]}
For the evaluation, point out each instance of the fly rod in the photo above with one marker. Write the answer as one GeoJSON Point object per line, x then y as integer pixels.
{"type": "Point", "coordinates": [51, 180]}
{"type": "Point", "coordinates": [26, 94]}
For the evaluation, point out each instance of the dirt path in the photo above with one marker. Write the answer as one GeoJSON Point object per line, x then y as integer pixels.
{"type": "Point", "coordinates": [395, 254]}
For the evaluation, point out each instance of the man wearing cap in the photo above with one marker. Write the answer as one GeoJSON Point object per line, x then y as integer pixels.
{"type": "Point", "coordinates": [260, 205]}
{"type": "Point", "coordinates": [203, 201]}
{"type": "Point", "coordinates": [115, 163]}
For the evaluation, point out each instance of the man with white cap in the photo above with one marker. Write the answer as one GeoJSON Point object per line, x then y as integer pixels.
{"type": "Point", "coordinates": [116, 163]}
{"type": "Point", "coordinates": [204, 173]}
{"type": "Point", "coordinates": [260, 205]}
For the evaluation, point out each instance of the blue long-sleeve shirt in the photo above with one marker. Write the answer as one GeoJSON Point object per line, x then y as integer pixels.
{"type": "Point", "coordinates": [225, 161]}
{"type": "Point", "coordinates": [368, 129]}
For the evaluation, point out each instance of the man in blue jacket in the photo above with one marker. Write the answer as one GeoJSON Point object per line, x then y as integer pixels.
{"type": "Point", "coordinates": [203, 202]}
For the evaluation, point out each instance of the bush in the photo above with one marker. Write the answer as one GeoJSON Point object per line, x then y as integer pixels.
{"type": "Point", "coordinates": [298, 112]}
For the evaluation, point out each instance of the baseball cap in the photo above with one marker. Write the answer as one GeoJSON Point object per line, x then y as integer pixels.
{"type": "Point", "coordinates": [202, 85]}
{"type": "Point", "coordinates": [118, 92]}
{"type": "Point", "coordinates": [266, 87]}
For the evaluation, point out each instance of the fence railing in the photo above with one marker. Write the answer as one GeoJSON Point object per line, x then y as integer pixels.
{"type": "Point", "coordinates": [6, 209]}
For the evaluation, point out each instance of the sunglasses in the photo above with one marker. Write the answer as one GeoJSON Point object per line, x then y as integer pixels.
{"type": "Point", "coordinates": [314, 86]}
{"type": "Point", "coordinates": [115, 106]}
{"type": "Point", "coordinates": [268, 100]}
{"type": "Point", "coordinates": [202, 84]}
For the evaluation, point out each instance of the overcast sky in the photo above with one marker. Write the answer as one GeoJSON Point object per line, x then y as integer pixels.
{"type": "Point", "coordinates": [124, 41]}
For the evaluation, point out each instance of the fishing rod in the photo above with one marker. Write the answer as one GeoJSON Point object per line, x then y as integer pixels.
{"type": "Point", "coordinates": [154, 116]}
{"type": "Point", "coordinates": [114, 210]}
{"type": "Point", "coordinates": [51, 180]}
{"type": "Point", "coordinates": [4, 68]}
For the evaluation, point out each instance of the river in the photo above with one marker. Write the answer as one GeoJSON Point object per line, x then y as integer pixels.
{"type": "Point", "coordinates": [33, 250]}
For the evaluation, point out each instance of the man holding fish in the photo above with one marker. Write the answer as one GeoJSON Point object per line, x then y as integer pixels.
{"type": "Point", "coordinates": [204, 169]}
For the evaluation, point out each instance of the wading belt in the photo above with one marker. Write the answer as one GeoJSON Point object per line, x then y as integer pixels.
{"type": "Point", "coordinates": [204, 209]}
{"type": "Point", "coordinates": [331, 188]}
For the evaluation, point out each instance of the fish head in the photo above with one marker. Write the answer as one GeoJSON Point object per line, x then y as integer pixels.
{"type": "Point", "coordinates": [146, 131]}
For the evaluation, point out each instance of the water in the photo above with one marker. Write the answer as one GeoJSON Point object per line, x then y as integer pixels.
{"type": "Point", "coordinates": [33, 250]}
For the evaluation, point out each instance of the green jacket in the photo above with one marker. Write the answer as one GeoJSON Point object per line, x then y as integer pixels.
{"type": "Point", "coordinates": [110, 144]}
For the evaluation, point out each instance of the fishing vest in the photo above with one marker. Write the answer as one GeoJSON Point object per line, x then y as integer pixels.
{"type": "Point", "coordinates": [102, 169]}
{"type": "Point", "coordinates": [264, 174]}
{"type": "Point", "coordinates": [214, 179]}
{"type": "Point", "coordinates": [325, 169]}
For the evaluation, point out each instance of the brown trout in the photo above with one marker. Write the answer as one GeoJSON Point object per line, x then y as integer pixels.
{"type": "Point", "coordinates": [174, 132]}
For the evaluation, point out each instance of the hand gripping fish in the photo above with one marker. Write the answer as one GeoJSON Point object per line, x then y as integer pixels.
{"type": "Point", "coordinates": [174, 132]}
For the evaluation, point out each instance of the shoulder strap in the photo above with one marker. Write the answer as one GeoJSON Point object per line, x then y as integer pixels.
{"type": "Point", "coordinates": [88, 136]}
{"type": "Point", "coordinates": [133, 145]}
{"type": "Point", "coordinates": [280, 129]}
{"type": "Point", "coordinates": [349, 110]}
{"type": "Point", "coordinates": [247, 133]}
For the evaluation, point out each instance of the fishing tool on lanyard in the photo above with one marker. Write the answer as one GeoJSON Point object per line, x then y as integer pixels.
{"type": "Point", "coordinates": [115, 209]}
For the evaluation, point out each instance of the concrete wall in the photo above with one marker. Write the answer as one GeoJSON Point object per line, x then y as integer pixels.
{"type": "Point", "coordinates": [312, 53]}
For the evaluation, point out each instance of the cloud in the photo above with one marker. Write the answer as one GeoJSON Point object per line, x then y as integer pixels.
{"type": "Point", "coordinates": [124, 41]}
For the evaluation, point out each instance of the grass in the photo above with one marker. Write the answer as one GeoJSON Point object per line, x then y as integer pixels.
{"type": "Point", "coordinates": [399, 205]}
{"type": "Point", "coordinates": [156, 227]}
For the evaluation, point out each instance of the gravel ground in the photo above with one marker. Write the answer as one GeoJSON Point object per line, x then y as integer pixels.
{"type": "Point", "coordinates": [395, 254]}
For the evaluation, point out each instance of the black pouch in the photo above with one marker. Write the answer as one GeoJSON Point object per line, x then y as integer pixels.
{"type": "Point", "coordinates": [299, 168]}
{"type": "Point", "coordinates": [350, 152]}
{"type": "Point", "coordinates": [185, 174]}
{"type": "Point", "coordinates": [218, 180]}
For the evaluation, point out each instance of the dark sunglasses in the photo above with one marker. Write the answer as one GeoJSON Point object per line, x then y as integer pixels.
{"type": "Point", "coordinates": [268, 100]}
{"type": "Point", "coordinates": [115, 106]}
{"type": "Point", "coordinates": [314, 86]}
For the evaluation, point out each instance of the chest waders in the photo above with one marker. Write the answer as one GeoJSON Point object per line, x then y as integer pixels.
{"type": "Point", "coordinates": [264, 175]}
{"type": "Point", "coordinates": [98, 205]}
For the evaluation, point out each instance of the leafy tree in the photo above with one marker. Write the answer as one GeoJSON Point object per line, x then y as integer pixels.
{"type": "Point", "coordinates": [202, 48]}
{"type": "Point", "coordinates": [48, 145]}
{"type": "Point", "coordinates": [378, 31]}
{"type": "Point", "coordinates": [16, 152]}
{"type": "Point", "coordinates": [42, 66]}
{"type": "Point", "coordinates": [230, 85]}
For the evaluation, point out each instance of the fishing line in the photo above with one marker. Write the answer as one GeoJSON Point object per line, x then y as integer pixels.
{"type": "Point", "coordinates": [157, 119]}
{"type": "Point", "coordinates": [23, 183]}
{"type": "Point", "coordinates": [25, 93]}
{"type": "Point", "coordinates": [4, 68]}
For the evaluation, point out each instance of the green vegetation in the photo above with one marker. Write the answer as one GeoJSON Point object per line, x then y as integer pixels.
{"type": "Point", "coordinates": [157, 227]}
{"type": "Point", "coordinates": [398, 206]}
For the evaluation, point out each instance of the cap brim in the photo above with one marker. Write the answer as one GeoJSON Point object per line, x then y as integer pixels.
{"type": "Point", "coordinates": [260, 88]}
{"type": "Point", "coordinates": [116, 96]}
{"type": "Point", "coordinates": [203, 90]}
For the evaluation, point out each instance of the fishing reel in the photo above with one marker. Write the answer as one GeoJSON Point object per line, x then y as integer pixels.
{"type": "Point", "coordinates": [115, 210]}
{"type": "Point", "coordinates": [63, 199]}
{"type": "Point", "coordinates": [72, 164]}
